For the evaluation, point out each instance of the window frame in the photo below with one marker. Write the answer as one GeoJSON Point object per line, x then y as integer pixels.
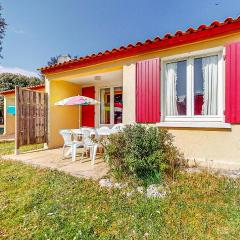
{"type": "Point", "coordinates": [111, 104]}
{"type": "Point", "coordinates": [189, 57]}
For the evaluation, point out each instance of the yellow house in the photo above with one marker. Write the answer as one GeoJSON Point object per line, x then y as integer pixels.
{"type": "Point", "coordinates": [188, 82]}
{"type": "Point", "coordinates": [9, 108]}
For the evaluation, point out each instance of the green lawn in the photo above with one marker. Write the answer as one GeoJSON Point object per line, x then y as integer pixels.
{"type": "Point", "coordinates": [43, 204]}
{"type": "Point", "coordinates": [8, 147]}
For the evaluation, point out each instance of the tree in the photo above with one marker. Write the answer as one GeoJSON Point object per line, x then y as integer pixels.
{"type": "Point", "coordinates": [54, 60]}
{"type": "Point", "coordinates": [8, 81]}
{"type": "Point", "coordinates": [3, 26]}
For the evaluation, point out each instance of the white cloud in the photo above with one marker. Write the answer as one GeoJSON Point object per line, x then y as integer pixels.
{"type": "Point", "coordinates": [18, 31]}
{"type": "Point", "coordinates": [17, 70]}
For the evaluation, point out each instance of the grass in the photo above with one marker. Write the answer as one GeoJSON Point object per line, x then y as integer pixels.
{"type": "Point", "coordinates": [43, 204]}
{"type": "Point", "coordinates": [8, 147]}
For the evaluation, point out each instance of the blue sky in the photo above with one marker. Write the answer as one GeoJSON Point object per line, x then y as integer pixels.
{"type": "Point", "coordinates": [38, 30]}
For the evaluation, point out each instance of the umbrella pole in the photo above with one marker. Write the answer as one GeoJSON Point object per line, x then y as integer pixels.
{"type": "Point", "coordinates": [79, 116]}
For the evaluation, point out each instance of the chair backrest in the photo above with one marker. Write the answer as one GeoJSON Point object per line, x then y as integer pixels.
{"type": "Point", "coordinates": [86, 137]}
{"type": "Point", "coordinates": [86, 128]}
{"type": "Point", "coordinates": [67, 136]}
{"type": "Point", "coordinates": [103, 130]}
{"type": "Point", "coordinates": [118, 127]}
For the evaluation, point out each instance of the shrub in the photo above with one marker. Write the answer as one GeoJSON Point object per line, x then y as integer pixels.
{"type": "Point", "coordinates": [144, 152]}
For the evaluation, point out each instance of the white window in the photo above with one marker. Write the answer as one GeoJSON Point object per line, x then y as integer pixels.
{"type": "Point", "coordinates": [111, 105]}
{"type": "Point", "coordinates": [193, 86]}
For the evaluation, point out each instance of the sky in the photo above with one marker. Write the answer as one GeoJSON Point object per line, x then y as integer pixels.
{"type": "Point", "coordinates": [39, 30]}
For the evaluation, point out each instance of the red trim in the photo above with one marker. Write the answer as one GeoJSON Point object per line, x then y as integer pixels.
{"type": "Point", "coordinates": [232, 102]}
{"type": "Point", "coordinates": [88, 118]}
{"type": "Point", "coordinates": [179, 38]}
{"type": "Point", "coordinates": [148, 91]}
{"type": "Point", "coordinates": [12, 91]}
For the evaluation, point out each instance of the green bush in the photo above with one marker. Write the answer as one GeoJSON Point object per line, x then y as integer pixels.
{"type": "Point", "coordinates": [144, 152]}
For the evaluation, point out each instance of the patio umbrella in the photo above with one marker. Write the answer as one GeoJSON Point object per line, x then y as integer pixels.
{"type": "Point", "coordinates": [78, 101]}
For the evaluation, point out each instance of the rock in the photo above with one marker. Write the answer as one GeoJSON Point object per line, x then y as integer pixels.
{"type": "Point", "coordinates": [193, 170]}
{"type": "Point", "coordinates": [155, 190]}
{"type": "Point", "coordinates": [129, 194]}
{"type": "Point", "coordinates": [146, 235]}
{"type": "Point", "coordinates": [118, 185]}
{"type": "Point", "coordinates": [234, 174]}
{"type": "Point", "coordinates": [140, 189]}
{"type": "Point", "coordinates": [50, 214]}
{"type": "Point", "coordinates": [105, 183]}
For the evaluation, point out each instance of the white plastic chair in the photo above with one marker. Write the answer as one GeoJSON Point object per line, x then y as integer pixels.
{"type": "Point", "coordinates": [89, 144]}
{"type": "Point", "coordinates": [105, 131]}
{"type": "Point", "coordinates": [68, 142]}
{"type": "Point", "coordinates": [118, 127]}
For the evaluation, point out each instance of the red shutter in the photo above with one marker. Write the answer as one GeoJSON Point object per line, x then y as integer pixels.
{"type": "Point", "coordinates": [148, 91]}
{"type": "Point", "coordinates": [232, 98]}
{"type": "Point", "coordinates": [88, 119]}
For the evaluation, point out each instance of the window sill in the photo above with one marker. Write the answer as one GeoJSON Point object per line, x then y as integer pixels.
{"type": "Point", "coordinates": [195, 125]}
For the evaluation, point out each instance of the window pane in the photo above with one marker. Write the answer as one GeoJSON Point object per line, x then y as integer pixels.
{"type": "Point", "coordinates": [205, 86]}
{"type": "Point", "coordinates": [176, 88]}
{"type": "Point", "coordinates": [118, 105]}
{"type": "Point", "coordinates": [105, 106]}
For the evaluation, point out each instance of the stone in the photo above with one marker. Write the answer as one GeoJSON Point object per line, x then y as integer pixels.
{"type": "Point", "coordinates": [117, 185]}
{"type": "Point", "coordinates": [234, 174]}
{"type": "Point", "coordinates": [129, 194]}
{"type": "Point", "coordinates": [193, 170]}
{"type": "Point", "coordinates": [140, 190]}
{"type": "Point", "coordinates": [105, 183]}
{"type": "Point", "coordinates": [155, 190]}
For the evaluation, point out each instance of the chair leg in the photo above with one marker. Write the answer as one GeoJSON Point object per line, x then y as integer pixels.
{"type": "Point", "coordinates": [74, 152]}
{"type": "Point", "coordinates": [94, 149]}
{"type": "Point", "coordinates": [83, 152]}
{"type": "Point", "coordinates": [63, 157]}
{"type": "Point", "coordinates": [91, 151]}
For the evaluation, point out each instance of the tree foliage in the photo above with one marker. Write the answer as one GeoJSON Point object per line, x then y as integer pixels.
{"type": "Point", "coordinates": [3, 26]}
{"type": "Point", "coordinates": [144, 152]}
{"type": "Point", "coordinates": [8, 81]}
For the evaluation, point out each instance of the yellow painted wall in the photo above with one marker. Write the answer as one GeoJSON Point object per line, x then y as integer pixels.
{"type": "Point", "coordinates": [9, 120]}
{"type": "Point", "coordinates": [210, 147]}
{"type": "Point", "coordinates": [61, 117]}
{"type": "Point", "coordinates": [213, 147]}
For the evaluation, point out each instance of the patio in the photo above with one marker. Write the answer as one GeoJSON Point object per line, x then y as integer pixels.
{"type": "Point", "coordinates": [53, 159]}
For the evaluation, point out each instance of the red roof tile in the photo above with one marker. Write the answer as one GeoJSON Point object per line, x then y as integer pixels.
{"type": "Point", "coordinates": [215, 29]}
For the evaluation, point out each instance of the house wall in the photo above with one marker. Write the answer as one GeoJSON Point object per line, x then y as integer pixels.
{"type": "Point", "coordinates": [129, 72]}
{"type": "Point", "coordinates": [61, 117]}
{"type": "Point", "coordinates": [9, 120]}
{"type": "Point", "coordinates": [216, 148]}
{"type": "Point", "coordinates": [209, 147]}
